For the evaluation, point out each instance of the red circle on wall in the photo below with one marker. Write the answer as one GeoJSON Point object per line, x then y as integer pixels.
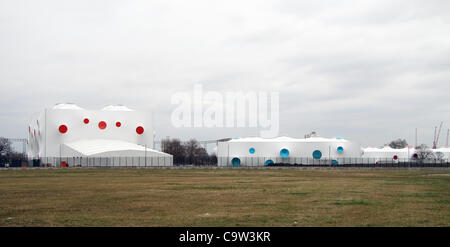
{"type": "Point", "coordinates": [140, 130]}
{"type": "Point", "coordinates": [395, 157]}
{"type": "Point", "coordinates": [62, 129]}
{"type": "Point", "coordinates": [86, 120]}
{"type": "Point", "coordinates": [102, 125]}
{"type": "Point", "coordinates": [118, 124]}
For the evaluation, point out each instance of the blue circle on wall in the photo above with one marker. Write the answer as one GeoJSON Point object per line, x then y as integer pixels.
{"type": "Point", "coordinates": [284, 153]}
{"type": "Point", "coordinates": [317, 154]}
{"type": "Point", "coordinates": [251, 150]}
{"type": "Point", "coordinates": [236, 162]}
{"type": "Point", "coordinates": [340, 149]}
{"type": "Point", "coordinates": [269, 162]}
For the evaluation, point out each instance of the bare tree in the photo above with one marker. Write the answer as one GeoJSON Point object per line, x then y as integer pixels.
{"type": "Point", "coordinates": [213, 158]}
{"type": "Point", "coordinates": [439, 156]}
{"type": "Point", "coordinates": [195, 153]}
{"type": "Point", "coordinates": [423, 153]}
{"type": "Point", "coordinates": [175, 148]}
{"type": "Point", "coordinates": [398, 144]}
{"type": "Point", "coordinates": [190, 152]}
{"type": "Point", "coordinates": [7, 153]}
{"type": "Point", "coordinates": [5, 146]}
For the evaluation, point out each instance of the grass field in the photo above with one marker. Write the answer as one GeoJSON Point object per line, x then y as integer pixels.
{"type": "Point", "coordinates": [146, 197]}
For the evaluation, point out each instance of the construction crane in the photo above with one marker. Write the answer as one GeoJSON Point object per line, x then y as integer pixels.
{"type": "Point", "coordinates": [415, 141]}
{"type": "Point", "coordinates": [446, 142]}
{"type": "Point", "coordinates": [436, 139]}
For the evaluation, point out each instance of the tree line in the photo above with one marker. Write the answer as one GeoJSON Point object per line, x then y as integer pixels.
{"type": "Point", "coordinates": [7, 153]}
{"type": "Point", "coordinates": [187, 153]}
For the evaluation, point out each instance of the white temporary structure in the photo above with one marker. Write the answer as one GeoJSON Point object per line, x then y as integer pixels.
{"type": "Point", "coordinates": [402, 154]}
{"type": "Point", "coordinates": [445, 152]}
{"type": "Point", "coordinates": [68, 131]}
{"type": "Point", "coordinates": [389, 153]}
{"type": "Point", "coordinates": [256, 151]}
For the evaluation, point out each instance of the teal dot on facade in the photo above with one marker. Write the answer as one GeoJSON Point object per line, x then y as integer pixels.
{"type": "Point", "coordinates": [269, 162]}
{"type": "Point", "coordinates": [317, 154]}
{"type": "Point", "coordinates": [284, 153]}
{"type": "Point", "coordinates": [236, 162]}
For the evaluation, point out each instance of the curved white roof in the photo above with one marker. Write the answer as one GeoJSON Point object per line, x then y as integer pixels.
{"type": "Point", "coordinates": [97, 146]}
{"type": "Point", "coordinates": [287, 139]}
{"type": "Point", "coordinates": [442, 149]}
{"type": "Point", "coordinates": [67, 106]}
{"type": "Point", "coordinates": [387, 149]}
{"type": "Point", "coordinates": [116, 108]}
{"type": "Point", "coordinates": [371, 148]}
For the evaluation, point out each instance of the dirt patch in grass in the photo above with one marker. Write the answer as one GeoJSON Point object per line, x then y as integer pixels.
{"type": "Point", "coordinates": [438, 175]}
{"type": "Point", "coordinates": [351, 202]}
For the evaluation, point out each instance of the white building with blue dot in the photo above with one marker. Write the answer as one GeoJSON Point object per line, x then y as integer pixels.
{"type": "Point", "coordinates": [256, 151]}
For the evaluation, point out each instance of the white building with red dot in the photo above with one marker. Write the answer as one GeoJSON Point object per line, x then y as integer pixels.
{"type": "Point", "coordinates": [67, 134]}
{"type": "Point", "coordinates": [387, 153]}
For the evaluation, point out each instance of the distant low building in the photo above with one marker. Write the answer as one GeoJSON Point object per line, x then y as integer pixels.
{"type": "Point", "coordinates": [387, 153]}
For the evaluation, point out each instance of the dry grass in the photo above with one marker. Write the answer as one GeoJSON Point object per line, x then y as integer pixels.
{"type": "Point", "coordinates": [127, 197]}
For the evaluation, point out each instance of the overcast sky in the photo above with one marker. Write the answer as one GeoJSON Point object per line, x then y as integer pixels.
{"type": "Point", "coordinates": [370, 71]}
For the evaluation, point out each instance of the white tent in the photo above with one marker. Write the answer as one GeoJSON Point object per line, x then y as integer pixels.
{"type": "Point", "coordinates": [67, 130]}
{"type": "Point", "coordinates": [253, 151]}
{"type": "Point", "coordinates": [388, 153]}
{"type": "Point", "coordinates": [445, 152]}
